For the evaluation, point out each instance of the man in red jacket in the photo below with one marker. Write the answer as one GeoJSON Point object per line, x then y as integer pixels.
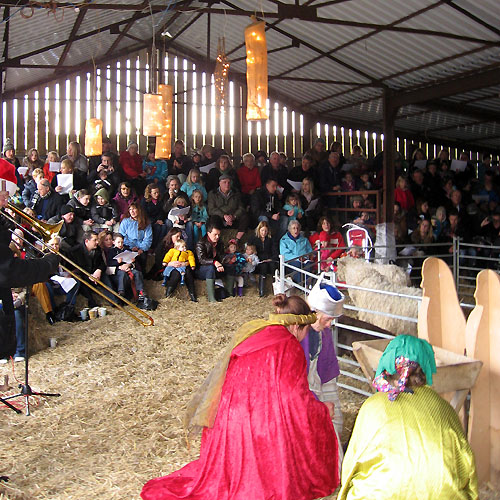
{"type": "Point", "coordinates": [249, 177]}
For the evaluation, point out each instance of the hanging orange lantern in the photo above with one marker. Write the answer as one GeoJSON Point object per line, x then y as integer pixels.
{"type": "Point", "coordinates": [163, 147]}
{"type": "Point", "coordinates": [256, 47]}
{"type": "Point", "coordinates": [93, 137]}
{"type": "Point", "coordinates": [152, 117]}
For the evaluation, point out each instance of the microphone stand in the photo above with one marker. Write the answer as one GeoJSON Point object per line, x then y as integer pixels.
{"type": "Point", "coordinates": [26, 390]}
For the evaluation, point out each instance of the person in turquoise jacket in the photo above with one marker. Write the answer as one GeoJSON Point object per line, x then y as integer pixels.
{"type": "Point", "coordinates": [156, 170]}
{"type": "Point", "coordinates": [294, 247]}
{"type": "Point", "coordinates": [199, 215]}
{"type": "Point", "coordinates": [193, 182]}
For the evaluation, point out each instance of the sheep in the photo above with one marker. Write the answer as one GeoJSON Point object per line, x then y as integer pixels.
{"type": "Point", "coordinates": [380, 277]}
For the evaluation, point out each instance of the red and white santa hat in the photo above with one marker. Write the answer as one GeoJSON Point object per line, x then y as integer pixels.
{"type": "Point", "coordinates": [8, 181]}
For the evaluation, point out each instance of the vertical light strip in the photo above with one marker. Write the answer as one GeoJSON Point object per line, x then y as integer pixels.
{"type": "Point", "coordinates": [194, 114]}
{"type": "Point", "coordinates": [4, 122]}
{"type": "Point", "coordinates": [232, 112]}
{"type": "Point", "coordinates": [67, 110]}
{"type": "Point", "coordinates": [176, 99]}
{"type": "Point", "coordinates": [203, 107]}
{"type": "Point", "coordinates": [136, 127]}
{"type": "Point", "coordinates": [98, 95]}
{"type": "Point", "coordinates": [107, 121]}
{"type": "Point", "coordinates": [128, 125]}
{"type": "Point", "coordinates": [25, 119]}
{"type": "Point", "coordinates": [118, 104]}
{"type": "Point", "coordinates": [213, 128]}
{"type": "Point", "coordinates": [37, 117]}
{"type": "Point", "coordinates": [76, 118]}
{"type": "Point", "coordinates": [188, 134]}
{"type": "Point", "coordinates": [15, 139]}
{"type": "Point", "coordinates": [285, 129]}
{"type": "Point", "coordinates": [47, 123]}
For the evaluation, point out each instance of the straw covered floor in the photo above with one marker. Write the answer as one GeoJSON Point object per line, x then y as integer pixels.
{"type": "Point", "coordinates": [123, 390]}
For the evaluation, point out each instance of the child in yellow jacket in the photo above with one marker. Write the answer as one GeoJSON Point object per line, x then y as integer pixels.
{"type": "Point", "coordinates": [178, 254]}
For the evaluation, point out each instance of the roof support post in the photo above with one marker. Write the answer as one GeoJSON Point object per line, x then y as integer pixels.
{"type": "Point", "coordinates": [390, 112]}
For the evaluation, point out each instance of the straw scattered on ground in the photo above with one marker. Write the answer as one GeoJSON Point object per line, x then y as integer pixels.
{"type": "Point", "coordinates": [123, 390]}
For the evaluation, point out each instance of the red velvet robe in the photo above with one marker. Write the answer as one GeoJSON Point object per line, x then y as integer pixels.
{"type": "Point", "coordinates": [271, 439]}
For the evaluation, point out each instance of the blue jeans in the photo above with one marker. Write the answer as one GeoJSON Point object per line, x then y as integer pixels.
{"type": "Point", "coordinates": [297, 277]}
{"type": "Point", "coordinates": [20, 346]}
{"type": "Point", "coordinates": [122, 280]}
{"type": "Point", "coordinates": [57, 290]}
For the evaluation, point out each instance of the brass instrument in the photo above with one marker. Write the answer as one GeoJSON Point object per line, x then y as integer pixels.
{"type": "Point", "coordinates": [45, 232]}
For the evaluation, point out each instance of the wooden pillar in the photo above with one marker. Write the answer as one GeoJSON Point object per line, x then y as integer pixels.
{"type": "Point", "coordinates": [390, 112]}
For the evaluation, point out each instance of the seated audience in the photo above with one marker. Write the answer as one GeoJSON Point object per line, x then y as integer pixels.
{"type": "Point", "coordinates": [153, 206]}
{"type": "Point", "coordinates": [156, 170]}
{"type": "Point", "coordinates": [124, 275]}
{"type": "Point", "coordinates": [80, 203]}
{"type": "Point", "coordinates": [209, 256]}
{"type": "Point", "coordinates": [193, 181]}
{"type": "Point", "coordinates": [45, 202]}
{"type": "Point", "coordinates": [104, 212]}
{"type": "Point", "coordinates": [131, 164]}
{"type": "Point", "coordinates": [32, 161]}
{"type": "Point", "coordinates": [124, 198]}
{"type": "Point", "coordinates": [74, 153]}
{"type": "Point", "coordinates": [249, 177]}
{"type": "Point", "coordinates": [179, 265]}
{"type": "Point", "coordinates": [275, 170]}
{"type": "Point", "coordinates": [223, 165]}
{"type": "Point", "coordinates": [137, 233]}
{"type": "Point", "coordinates": [266, 252]}
{"type": "Point", "coordinates": [31, 186]}
{"type": "Point", "coordinates": [199, 215]}
{"type": "Point", "coordinates": [226, 204]}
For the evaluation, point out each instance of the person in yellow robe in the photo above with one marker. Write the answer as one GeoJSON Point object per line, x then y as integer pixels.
{"type": "Point", "coordinates": [407, 442]}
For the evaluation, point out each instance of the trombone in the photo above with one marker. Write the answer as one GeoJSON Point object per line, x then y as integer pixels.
{"type": "Point", "coordinates": [46, 231]}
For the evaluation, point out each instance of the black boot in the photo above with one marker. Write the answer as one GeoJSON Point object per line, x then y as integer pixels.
{"type": "Point", "coordinates": [192, 296]}
{"type": "Point", "coordinates": [51, 319]}
{"type": "Point", "coordinates": [262, 285]}
{"type": "Point", "coordinates": [169, 291]}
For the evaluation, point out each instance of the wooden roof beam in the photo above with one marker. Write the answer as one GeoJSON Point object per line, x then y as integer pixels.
{"type": "Point", "coordinates": [451, 87]}
{"type": "Point", "coordinates": [72, 35]}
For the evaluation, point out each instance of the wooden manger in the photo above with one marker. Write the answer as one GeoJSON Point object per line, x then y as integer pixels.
{"type": "Point", "coordinates": [456, 374]}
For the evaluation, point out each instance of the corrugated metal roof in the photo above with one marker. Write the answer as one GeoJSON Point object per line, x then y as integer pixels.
{"type": "Point", "coordinates": [361, 54]}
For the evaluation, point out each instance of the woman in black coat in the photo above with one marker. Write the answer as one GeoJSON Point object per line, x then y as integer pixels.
{"type": "Point", "coordinates": [267, 253]}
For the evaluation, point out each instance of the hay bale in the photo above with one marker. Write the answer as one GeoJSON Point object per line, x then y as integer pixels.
{"type": "Point", "coordinates": [380, 277]}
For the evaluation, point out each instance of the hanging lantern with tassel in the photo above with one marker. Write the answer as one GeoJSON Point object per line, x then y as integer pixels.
{"type": "Point", "coordinates": [163, 148]}
{"type": "Point", "coordinates": [152, 118]}
{"type": "Point", "coordinates": [93, 127]}
{"type": "Point", "coordinates": [256, 47]}
{"type": "Point", "coordinates": [220, 74]}
{"type": "Point", "coordinates": [93, 137]}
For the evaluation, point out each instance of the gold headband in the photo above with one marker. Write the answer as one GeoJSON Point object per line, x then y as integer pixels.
{"type": "Point", "coordinates": [292, 319]}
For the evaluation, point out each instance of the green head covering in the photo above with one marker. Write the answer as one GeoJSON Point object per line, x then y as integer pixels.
{"type": "Point", "coordinates": [410, 347]}
{"type": "Point", "coordinates": [103, 193]}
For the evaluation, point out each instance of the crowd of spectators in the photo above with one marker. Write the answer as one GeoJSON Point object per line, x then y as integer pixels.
{"type": "Point", "coordinates": [155, 208]}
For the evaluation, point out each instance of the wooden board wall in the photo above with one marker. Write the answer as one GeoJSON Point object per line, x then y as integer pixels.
{"type": "Point", "coordinates": [31, 120]}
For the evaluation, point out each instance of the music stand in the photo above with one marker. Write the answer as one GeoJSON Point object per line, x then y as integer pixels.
{"type": "Point", "coordinates": [26, 390]}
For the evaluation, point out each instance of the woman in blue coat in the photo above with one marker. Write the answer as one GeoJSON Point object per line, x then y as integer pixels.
{"type": "Point", "coordinates": [294, 247]}
{"type": "Point", "coordinates": [137, 233]}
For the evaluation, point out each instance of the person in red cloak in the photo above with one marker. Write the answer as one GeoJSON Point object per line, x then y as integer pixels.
{"type": "Point", "coordinates": [265, 435]}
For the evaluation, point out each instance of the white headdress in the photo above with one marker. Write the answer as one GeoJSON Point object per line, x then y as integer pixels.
{"type": "Point", "coordinates": [326, 298]}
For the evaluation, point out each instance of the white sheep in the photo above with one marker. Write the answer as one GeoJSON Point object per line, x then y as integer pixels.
{"type": "Point", "coordinates": [380, 277]}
